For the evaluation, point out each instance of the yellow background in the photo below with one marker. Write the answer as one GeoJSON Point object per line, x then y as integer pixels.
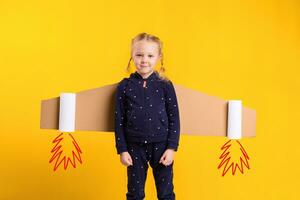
{"type": "Point", "coordinates": [246, 50]}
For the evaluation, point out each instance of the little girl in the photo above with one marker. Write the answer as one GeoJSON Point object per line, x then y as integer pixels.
{"type": "Point", "coordinates": [147, 126]}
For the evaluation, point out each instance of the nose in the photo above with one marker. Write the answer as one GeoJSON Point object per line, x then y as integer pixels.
{"type": "Point", "coordinates": [144, 59]}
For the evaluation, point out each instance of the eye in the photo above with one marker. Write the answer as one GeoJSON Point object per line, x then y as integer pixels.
{"type": "Point", "coordinates": [138, 54]}
{"type": "Point", "coordinates": [150, 56]}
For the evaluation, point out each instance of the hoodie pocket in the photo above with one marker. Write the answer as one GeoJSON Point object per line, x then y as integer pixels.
{"type": "Point", "coordinates": [129, 117]}
{"type": "Point", "coordinates": [163, 119]}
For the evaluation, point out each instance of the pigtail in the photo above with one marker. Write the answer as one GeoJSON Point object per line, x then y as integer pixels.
{"type": "Point", "coordinates": [128, 66]}
{"type": "Point", "coordinates": [162, 70]}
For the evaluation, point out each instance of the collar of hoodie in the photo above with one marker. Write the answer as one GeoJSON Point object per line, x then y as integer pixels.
{"type": "Point", "coordinates": [137, 77]}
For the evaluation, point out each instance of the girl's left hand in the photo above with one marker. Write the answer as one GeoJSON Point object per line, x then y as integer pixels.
{"type": "Point", "coordinates": [167, 158]}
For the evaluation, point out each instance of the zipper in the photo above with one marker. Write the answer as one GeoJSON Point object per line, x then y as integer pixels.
{"type": "Point", "coordinates": [146, 113]}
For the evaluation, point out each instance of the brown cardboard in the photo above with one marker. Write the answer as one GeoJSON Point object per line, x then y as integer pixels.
{"type": "Point", "coordinates": [200, 114]}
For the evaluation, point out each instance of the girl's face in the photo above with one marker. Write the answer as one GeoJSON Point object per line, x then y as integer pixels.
{"type": "Point", "coordinates": [145, 56]}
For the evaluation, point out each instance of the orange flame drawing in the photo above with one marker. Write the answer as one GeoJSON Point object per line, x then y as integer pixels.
{"type": "Point", "coordinates": [59, 155]}
{"type": "Point", "coordinates": [225, 156]}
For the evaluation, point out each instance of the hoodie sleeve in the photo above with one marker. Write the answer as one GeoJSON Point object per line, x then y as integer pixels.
{"type": "Point", "coordinates": [120, 141]}
{"type": "Point", "coordinates": [173, 117]}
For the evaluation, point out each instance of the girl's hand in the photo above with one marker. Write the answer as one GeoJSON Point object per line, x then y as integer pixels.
{"type": "Point", "coordinates": [167, 158]}
{"type": "Point", "coordinates": [126, 158]}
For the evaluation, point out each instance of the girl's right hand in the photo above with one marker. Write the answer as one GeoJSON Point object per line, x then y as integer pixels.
{"type": "Point", "coordinates": [126, 158]}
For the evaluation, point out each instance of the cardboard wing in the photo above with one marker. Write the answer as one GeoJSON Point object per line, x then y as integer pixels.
{"type": "Point", "coordinates": [200, 114]}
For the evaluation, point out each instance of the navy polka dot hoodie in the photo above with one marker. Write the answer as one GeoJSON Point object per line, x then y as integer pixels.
{"type": "Point", "coordinates": [146, 110]}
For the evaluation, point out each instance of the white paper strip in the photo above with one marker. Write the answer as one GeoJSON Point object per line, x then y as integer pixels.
{"type": "Point", "coordinates": [67, 110]}
{"type": "Point", "coordinates": [234, 126]}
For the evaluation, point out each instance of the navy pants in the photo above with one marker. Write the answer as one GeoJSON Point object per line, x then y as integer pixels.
{"type": "Point", "coordinates": [141, 153]}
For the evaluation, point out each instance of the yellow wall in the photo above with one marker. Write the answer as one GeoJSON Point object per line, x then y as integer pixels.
{"type": "Point", "coordinates": [246, 50]}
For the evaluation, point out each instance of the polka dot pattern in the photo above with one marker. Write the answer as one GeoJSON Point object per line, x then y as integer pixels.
{"type": "Point", "coordinates": [149, 153]}
{"type": "Point", "coordinates": [150, 112]}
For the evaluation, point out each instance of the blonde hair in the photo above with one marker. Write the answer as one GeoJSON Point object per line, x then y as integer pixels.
{"type": "Point", "coordinates": [152, 38]}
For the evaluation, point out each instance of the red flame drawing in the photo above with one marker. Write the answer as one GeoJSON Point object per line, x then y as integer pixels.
{"type": "Point", "coordinates": [225, 159]}
{"type": "Point", "coordinates": [59, 155]}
